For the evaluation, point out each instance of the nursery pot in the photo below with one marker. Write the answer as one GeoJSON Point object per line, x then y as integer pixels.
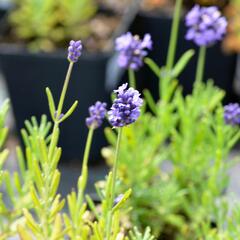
{"type": "Point", "coordinates": [219, 66]}
{"type": "Point", "coordinates": [28, 74]}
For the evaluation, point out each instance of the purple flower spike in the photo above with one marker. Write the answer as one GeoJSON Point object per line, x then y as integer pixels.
{"type": "Point", "coordinates": [132, 50]}
{"type": "Point", "coordinates": [206, 25]}
{"type": "Point", "coordinates": [74, 50]}
{"type": "Point", "coordinates": [97, 114]}
{"type": "Point", "coordinates": [126, 107]}
{"type": "Point", "coordinates": [232, 114]}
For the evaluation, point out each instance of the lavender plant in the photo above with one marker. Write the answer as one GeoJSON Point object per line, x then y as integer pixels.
{"type": "Point", "coordinates": [190, 137]}
{"type": "Point", "coordinates": [47, 204]}
{"type": "Point", "coordinates": [77, 208]}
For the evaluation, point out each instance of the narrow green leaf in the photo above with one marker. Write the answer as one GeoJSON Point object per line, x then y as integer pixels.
{"type": "Point", "coordinates": [150, 101]}
{"type": "Point", "coordinates": [21, 160]}
{"type": "Point", "coordinates": [69, 112]}
{"type": "Point", "coordinates": [125, 197]}
{"type": "Point", "coordinates": [92, 207]}
{"type": "Point", "coordinates": [51, 103]}
{"type": "Point", "coordinates": [153, 66]}
{"type": "Point", "coordinates": [182, 62]}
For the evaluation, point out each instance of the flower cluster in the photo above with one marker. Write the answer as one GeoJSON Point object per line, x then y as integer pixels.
{"type": "Point", "coordinates": [126, 107]}
{"type": "Point", "coordinates": [206, 25]}
{"type": "Point", "coordinates": [97, 114]}
{"type": "Point", "coordinates": [232, 114]}
{"type": "Point", "coordinates": [132, 50]}
{"type": "Point", "coordinates": [74, 50]}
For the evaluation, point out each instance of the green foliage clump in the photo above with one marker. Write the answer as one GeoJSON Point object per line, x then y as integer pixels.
{"type": "Point", "coordinates": [47, 24]}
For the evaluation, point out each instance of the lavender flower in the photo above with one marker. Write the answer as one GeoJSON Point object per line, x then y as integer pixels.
{"type": "Point", "coordinates": [97, 113]}
{"type": "Point", "coordinates": [206, 25]}
{"type": "Point", "coordinates": [60, 116]}
{"type": "Point", "coordinates": [74, 50]}
{"type": "Point", "coordinates": [132, 50]}
{"type": "Point", "coordinates": [118, 199]}
{"type": "Point", "coordinates": [232, 114]}
{"type": "Point", "coordinates": [126, 107]}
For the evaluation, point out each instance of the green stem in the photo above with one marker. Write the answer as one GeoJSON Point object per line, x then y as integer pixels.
{"type": "Point", "coordinates": [59, 109]}
{"type": "Point", "coordinates": [84, 173]}
{"type": "Point", "coordinates": [174, 35]}
{"type": "Point", "coordinates": [131, 78]}
{"type": "Point", "coordinates": [113, 183]}
{"type": "Point", "coordinates": [164, 80]}
{"type": "Point", "coordinates": [82, 182]}
{"type": "Point", "coordinates": [200, 65]}
{"type": "Point", "coordinates": [64, 90]}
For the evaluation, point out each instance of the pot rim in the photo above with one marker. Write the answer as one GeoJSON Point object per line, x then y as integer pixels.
{"type": "Point", "coordinates": [8, 49]}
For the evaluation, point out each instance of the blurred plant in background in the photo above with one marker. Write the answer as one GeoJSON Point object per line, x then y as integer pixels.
{"type": "Point", "coordinates": [232, 40]}
{"type": "Point", "coordinates": [47, 25]}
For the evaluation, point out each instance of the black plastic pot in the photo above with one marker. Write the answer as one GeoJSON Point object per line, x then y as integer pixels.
{"type": "Point", "coordinates": [219, 67]}
{"type": "Point", "coordinates": [27, 75]}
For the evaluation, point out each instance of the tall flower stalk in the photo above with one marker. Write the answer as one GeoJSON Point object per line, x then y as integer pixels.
{"type": "Point", "coordinates": [97, 113]}
{"type": "Point", "coordinates": [47, 203]}
{"type": "Point", "coordinates": [200, 65]}
{"type": "Point", "coordinates": [206, 26]}
{"type": "Point", "coordinates": [113, 186]}
{"type": "Point", "coordinates": [74, 52]}
{"type": "Point", "coordinates": [174, 35]}
{"type": "Point", "coordinates": [124, 111]}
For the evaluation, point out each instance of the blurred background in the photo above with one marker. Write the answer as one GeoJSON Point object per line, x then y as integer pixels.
{"type": "Point", "coordinates": [34, 36]}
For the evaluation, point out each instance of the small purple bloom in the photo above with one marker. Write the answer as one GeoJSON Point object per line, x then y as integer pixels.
{"type": "Point", "coordinates": [126, 107]}
{"type": "Point", "coordinates": [97, 114]}
{"type": "Point", "coordinates": [232, 114]}
{"type": "Point", "coordinates": [118, 199]}
{"type": "Point", "coordinates": [206, 25]}
{"type": "Point", "coordinates": [132, 50]}
{"type": "Point", "coordinates": [60, 116]}
{"type": "Point", "coordinates": [74, 50]}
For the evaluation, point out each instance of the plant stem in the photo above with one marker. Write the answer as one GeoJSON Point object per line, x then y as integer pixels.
{"type": "Point", "coordinates": [59, 109]}
{"type": "Point", "coordinates": [174, 35]}
{"type": "Point", "coordinates": [200, 65]}
{"type": "Point", "coordinates": [64, 90]}
{"type": "Point", "coordinates": [52, 146]}
{"type": "Point", "coordinates": [82, 182]}
{"type": "Point", "coordinates": [113, 183]}
{"type": "Point", "coordinates": [164, 80]}
{"type": "Point", "coordinates": [84, 173]}
{"type": "Point", "coordinates": [131, 78]}
{"type": "Point", "coordinates": [115, 166]}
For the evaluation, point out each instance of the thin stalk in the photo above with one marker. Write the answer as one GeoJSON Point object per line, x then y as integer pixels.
{"type": "Point", "coordinates": [83, 180]}
{"type": "Point", "coordinates": [84, 173]}
{"type": "Point", "coordinates": [54, 135]}
{"type": "Point", "coordinates": [164, 81]}
{"type": "Point", "coordinates": [113, 183]}
{"type": "Point", "coordinates": [174, 35]}
{"type": "Point", "coordinates": [200, 65]}
{"type": "Point", "coordinates": [59, 109]}
{"type": "Point", "coordinates": [64, 90]}
{"type": "Point", "coordinates": [131, 78]}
